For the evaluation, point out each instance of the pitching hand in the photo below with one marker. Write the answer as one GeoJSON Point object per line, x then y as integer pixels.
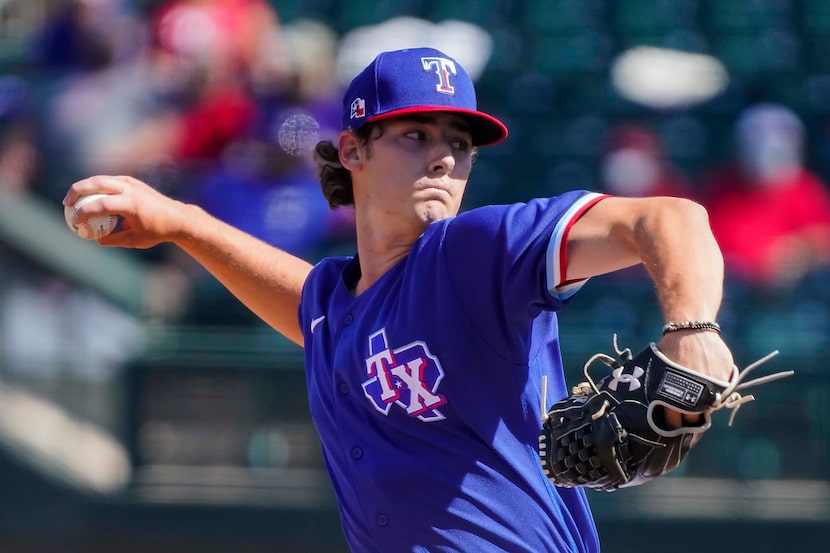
{"type": "Point", "coordinates": [148, 217]}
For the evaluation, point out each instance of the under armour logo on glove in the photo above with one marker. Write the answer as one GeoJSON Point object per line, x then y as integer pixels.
{"type": "Point", "coordinates": [633, 380]}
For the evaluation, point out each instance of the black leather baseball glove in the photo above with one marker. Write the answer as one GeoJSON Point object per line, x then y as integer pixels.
{"type": "Point", "coordinates": [612, 434]}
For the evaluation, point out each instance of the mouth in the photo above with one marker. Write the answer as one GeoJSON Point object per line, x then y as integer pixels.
{"type": "Point", "coordinates": [434, 186]}
{"type": "Point", "coordinates": [434, 193]}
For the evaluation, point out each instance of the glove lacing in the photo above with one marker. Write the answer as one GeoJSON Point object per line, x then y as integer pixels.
{"type": "Point", "coordinates": [732, 399]}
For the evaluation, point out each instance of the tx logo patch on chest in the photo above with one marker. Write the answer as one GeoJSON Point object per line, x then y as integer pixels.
{"type": "Point", "coordinates": [407, 376]}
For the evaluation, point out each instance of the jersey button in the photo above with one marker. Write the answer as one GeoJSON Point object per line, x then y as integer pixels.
{"type": "Point", "coordinates": [344, 388]}
{"type": "Point", "coordinates": [382, 519]}
{"type": "Point", "coordinates": [357, 453]}
{"type": "Point", "coordinates": [348, 319]}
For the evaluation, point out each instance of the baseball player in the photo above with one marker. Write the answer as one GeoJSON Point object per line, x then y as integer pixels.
{"type": "Point", "coordinates": [425, 351]}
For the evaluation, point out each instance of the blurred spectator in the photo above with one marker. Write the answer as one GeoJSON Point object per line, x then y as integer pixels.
{"type": "Point", "coordinates": [205, 51]}
{"type": "Point", "coordinates": [81, 35]}
{"type": "Point", "coordinates": [634, 164]}
{"type": "Point", "coordinates": [769, 213]}
{"type": "Point", "coordinates": [166, 88]}
{"type": "Point", "coordinates": [296, 66]}
{"type": "Point", "coordinates": [97, 94]}
{"type": "Point", "coordinates": [18, 147]}
{"type": "Point", "coordinates": [271, 194]}
{"type": "Point", "coordinates": [266, 183]}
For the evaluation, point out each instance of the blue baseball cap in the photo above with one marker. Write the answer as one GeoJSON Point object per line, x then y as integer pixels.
{"type": "Point", "coordinates": [417, 80]}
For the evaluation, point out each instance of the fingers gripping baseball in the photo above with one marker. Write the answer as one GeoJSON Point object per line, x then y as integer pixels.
{"type": "Point", "coordinates": [146, 217]}
{"type": "Point", "coordinates": [93, 227]}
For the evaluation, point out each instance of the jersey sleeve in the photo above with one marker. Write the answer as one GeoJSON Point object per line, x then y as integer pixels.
{"type": "Point", "coordinates": [517, 253]}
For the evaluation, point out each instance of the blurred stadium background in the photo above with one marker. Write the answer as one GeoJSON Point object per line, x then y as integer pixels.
{"type": "Point", "coordinates": [128, 423]}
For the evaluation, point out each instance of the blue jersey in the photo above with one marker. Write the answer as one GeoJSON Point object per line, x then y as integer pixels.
{"type": "Point", "coordinates": [425, 389]}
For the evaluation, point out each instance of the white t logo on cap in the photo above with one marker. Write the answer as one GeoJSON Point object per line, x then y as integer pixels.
{"type": "Point", "coordinates": [443, 68]}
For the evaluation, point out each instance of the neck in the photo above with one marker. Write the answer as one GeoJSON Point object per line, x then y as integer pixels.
{"type": "Point", "coordinates": [385, 234]}
{"type": "Point", "coordinates": [374, 264]}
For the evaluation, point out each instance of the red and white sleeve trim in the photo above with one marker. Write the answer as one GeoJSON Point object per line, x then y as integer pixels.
{"type": "Point", "coordinates": [557, 255]}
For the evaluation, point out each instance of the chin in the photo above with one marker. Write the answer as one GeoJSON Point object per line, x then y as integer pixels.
{"type": "Point", "coordinates": [434, 211]}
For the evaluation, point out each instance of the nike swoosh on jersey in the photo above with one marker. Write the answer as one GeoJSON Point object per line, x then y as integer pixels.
{"type": "Point", "coordinates": [316, 322]}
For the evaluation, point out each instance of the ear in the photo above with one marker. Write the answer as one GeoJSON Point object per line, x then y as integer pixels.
{"type": "Point", "coordinates": [349, 148]}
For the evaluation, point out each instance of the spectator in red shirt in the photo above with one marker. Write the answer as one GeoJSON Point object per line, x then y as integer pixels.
{"type": "Point", "coordinates": [769, 213]}
{"type": "Point", "coordinates": [634, 164]}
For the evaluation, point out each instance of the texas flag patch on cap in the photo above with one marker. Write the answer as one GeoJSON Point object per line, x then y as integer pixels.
{"type": "Point", "coordinates": [358, 108]}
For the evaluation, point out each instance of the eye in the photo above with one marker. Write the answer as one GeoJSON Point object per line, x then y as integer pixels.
{"type": "Point", "coordinates": [415, 135]}
{"type": "Point", "coordinates": [461, 144]}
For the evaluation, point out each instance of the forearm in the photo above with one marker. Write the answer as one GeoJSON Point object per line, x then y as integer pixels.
{"type": "Point", "coordinates": [268, 281]}
{"type": "Point", "coordinates": [682, 257]}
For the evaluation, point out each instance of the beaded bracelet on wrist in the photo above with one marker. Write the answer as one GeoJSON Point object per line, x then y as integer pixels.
{"type": "Point", "coordinates": [691, 325]}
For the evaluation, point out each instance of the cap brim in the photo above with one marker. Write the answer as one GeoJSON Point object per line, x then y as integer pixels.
{"type": "Point", "coordinates": [485, 129]}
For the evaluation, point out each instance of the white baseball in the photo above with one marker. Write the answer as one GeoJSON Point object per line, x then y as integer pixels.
{"type": "Point", "coordinates": [94, 227]}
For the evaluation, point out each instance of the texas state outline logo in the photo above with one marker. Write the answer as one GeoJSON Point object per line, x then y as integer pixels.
{"type": "Point", "coordinates": [407, 376]}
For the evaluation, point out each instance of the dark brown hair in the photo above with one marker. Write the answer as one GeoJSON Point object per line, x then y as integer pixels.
{"type": "Point", "coordinates": [336, 180]}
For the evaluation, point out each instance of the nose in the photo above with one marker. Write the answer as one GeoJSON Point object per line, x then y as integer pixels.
{"type": "Point", "coordinates": [443, 160]}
